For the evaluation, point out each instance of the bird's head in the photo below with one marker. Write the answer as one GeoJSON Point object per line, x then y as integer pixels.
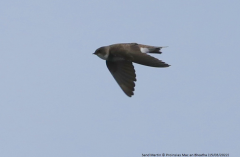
{"type": "Point", "coordinates": [102, 52]}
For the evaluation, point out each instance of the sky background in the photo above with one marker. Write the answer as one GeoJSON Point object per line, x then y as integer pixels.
{"type": "Point", "coordinates": [57, 99]}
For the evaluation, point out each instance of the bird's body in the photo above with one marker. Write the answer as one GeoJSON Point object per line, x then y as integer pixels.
{"type": "Point", "coordinates": [119, 58]}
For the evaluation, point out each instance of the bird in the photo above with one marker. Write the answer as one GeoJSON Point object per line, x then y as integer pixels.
{"type": "Point", "coordinates": [120, 58]}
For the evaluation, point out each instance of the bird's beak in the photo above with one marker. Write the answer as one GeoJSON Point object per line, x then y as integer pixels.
{"type": "Point", "coordinates": [94, 53]}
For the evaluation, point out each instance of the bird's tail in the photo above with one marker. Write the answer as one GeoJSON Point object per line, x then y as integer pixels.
{"type": "Point", "coordinates": [150, 49]}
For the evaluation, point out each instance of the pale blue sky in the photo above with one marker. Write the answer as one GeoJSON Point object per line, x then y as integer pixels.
{"type": "Point", "coordinates": [59, 100]}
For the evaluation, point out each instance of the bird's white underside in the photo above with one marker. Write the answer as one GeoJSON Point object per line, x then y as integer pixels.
{"type": "Point", "coordinates": [144, 50]}
{"type": "Point", "coordinates": [104, 57]}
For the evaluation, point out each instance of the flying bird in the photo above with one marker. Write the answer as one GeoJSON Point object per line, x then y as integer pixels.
{"type": "Point", "coordinates": [119, 58]}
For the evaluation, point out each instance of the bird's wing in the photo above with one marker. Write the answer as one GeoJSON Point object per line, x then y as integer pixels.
{"type": "Point", "coordinates": [133, 53]}
{"type": "Point", "coordinates": [124, 73]}
{"type": "Point", "coordinates": [144, 59]}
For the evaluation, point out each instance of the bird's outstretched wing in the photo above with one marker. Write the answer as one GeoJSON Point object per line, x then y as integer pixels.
{"type": "Point", "coordinates": [144, 59]}
{"type": "Point", "coordinates": [124, 73]}
{"type": "Point", "coordinates": [138, 54]}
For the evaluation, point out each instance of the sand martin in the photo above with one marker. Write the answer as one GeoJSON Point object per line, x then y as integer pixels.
{"type": "Point", "coordinates": [119, 58]}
